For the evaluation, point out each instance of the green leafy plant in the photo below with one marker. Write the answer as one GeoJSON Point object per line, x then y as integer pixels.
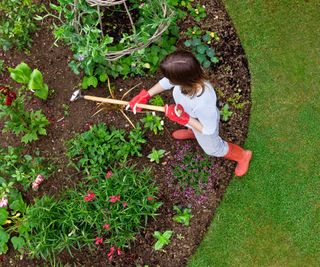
{"type": "Point", "coordinates": [11, 222]}
{"type": "Point", "coordinates": [200, 46]}
{"type": "Point", "coordinates": [152, 122]}
{"type": "Point", "coordinates": [30, 124]}
{"type": "Point", "coordinates": [225, 112]}
{"type": "Point", "coordinates": [105, 211]}
{"type": "Point", "coordinates": [91, 41]}
{"type": "Point", "coordinates": [235, 101]}
{"type": "Point", "coordinates": [156, 155]}
{"type": "Point", "coordinates": [17, 23]}
{"type": "Point", "coordinates": [100, 148]}
{"type": "Point", "coordinates": [23, 169]}
{"type": "Point", "coordinates": [199, 12]}
{"type": "Point", "coordinates": [163, 239]}
{"type": "Point", "coordinates": [157, 100]}
{"type": "Point", "coordinates": [183, 215]}
{"type": "Point", "coordinates": [23, 74]}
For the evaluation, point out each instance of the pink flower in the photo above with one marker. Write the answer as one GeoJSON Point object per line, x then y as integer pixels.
{"type": "Point", "coordinates": [3, 202]}
{"type": "Point", "coordinates": [99, 240]}
{"type": "Point", "coordinates": [108, 174]}
{"type": "Point", "coordinates": [114, 199]}
{"type": "Point", "coordinates": [112, 250]}
{"type": "Point", "coordinates": [89, 197]}
{"type": "Point", "coordinates": [37, 182]}
{"type": "Point", "coordinates": [106, 226]}
{"type": "Point", "coordinates": [150, 198]}
{"type": "Point", "coordinates": [125, 204]}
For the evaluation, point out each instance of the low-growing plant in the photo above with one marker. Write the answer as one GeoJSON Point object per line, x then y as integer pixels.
{"type": "Point", "coordinates": [32, 79]}
{"type": "Point", "coordinates": [156, 155]}
{"type": "Point", "coordinates": [163, 239]}
{"type": "Point", "coordinates": [199, 12]}
{"type": "Point", "coordinates": [183, 215]}
{"type": "Point", "coordinates": [29, 124]}
{"type": "Point", "coordinates": [99, 148]}
{"type": "Point", "coordinates": [157, 100]}
{"type": "Point", "coordinates": [225, 112]}
{"type": "Point", "coordinates": [23, 169]}
{"type": "Point", "coordinates": [235, 101]}
{"type": "Point", "coordinates": [192, 171]}
{"type": "Point", "coordinates": [17, 23]}
{"type": "Point", "coordinates": [11, 222]}
{"type": "Point", "coordinates": [200, 47]}
{"type": "Point", "coordinates": [106, 211]}
{"type": "Point", "coordinates": [152, 122]}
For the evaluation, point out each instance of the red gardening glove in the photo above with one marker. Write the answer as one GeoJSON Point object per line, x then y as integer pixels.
{"type": "Point", "coordinates": [177, 114]}
{"type": "Point", "coordinates": [142, 98]}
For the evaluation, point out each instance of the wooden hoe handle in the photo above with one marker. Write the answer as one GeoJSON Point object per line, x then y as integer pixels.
{"type": "Point", "coordinates": [121, 102]}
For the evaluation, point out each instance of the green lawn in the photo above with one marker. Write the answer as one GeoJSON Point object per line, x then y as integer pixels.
{"type": "Point", "coordinates": [271, 217]}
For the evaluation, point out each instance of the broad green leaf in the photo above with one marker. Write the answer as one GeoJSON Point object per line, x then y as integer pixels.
{"type": "Point", "coordinates": [4, 236]}
{"type": "Point", "coordinates": [21, 73]}
{"type": "Point", "coordinates": [3, 215]}
{"type": "Point", "coordinates": [3, 248]}
{"type": "Point", "coordinates": [206, 64]}
{"type": "Point", "coordinates": [103, 77]}
{"type": "Point", "coordinates": [201, 49]}
{"type": "Point", "coordinates": [187, 43]}
{"type": "Point", "coordinates": [18, 242]}
{"type": "Point", "coordinates": [36, 80]}
{"type": "Point", "coordinates": [196, 41]}
{"type": "Point", "coordinates": [42, 93]}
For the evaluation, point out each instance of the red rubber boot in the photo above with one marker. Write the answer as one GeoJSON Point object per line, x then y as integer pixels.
{"type": "Point", "coordinates": [183, 134]}
{"type": "Point", "coordinates": [241, 156]}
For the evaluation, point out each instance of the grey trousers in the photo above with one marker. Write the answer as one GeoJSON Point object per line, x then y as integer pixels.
{"type": "Point", "coordinates": [212, 144]}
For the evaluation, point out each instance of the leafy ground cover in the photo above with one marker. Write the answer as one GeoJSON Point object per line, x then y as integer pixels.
{"type": "Point", "coordinates": [271, 218]}
{"type": "Point", "coordinates": [107, 174]}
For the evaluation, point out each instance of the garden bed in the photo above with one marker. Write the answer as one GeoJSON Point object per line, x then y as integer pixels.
{"type": "Point", "coordinates": [228, 77]}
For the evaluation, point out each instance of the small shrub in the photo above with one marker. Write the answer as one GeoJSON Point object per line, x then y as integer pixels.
{"type": "Point", "coordinates": [17, 22]}
{"type": "Point", "coordinates": [18, 120]}
{"type": "Point", "coordinates": [157, 100]}
{"type": "Point", "coordinates": [100, 148]}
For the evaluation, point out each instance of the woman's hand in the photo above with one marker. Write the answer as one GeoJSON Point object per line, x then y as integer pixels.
{"type": "Point", "coordinates": [177, 114]}
{"type": "Point", "coordinates": [142, 98]}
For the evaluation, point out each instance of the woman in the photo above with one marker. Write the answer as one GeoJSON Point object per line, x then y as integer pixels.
{"type": "Point", "coordinates": [195, 107]}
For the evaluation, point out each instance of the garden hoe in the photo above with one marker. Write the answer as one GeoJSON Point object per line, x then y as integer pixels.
{"type": "Point", "coordinates": [77, 94]}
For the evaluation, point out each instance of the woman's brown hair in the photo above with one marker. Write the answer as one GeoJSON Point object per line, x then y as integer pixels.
{"type": "Point", "coordinates": [182, 68]}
